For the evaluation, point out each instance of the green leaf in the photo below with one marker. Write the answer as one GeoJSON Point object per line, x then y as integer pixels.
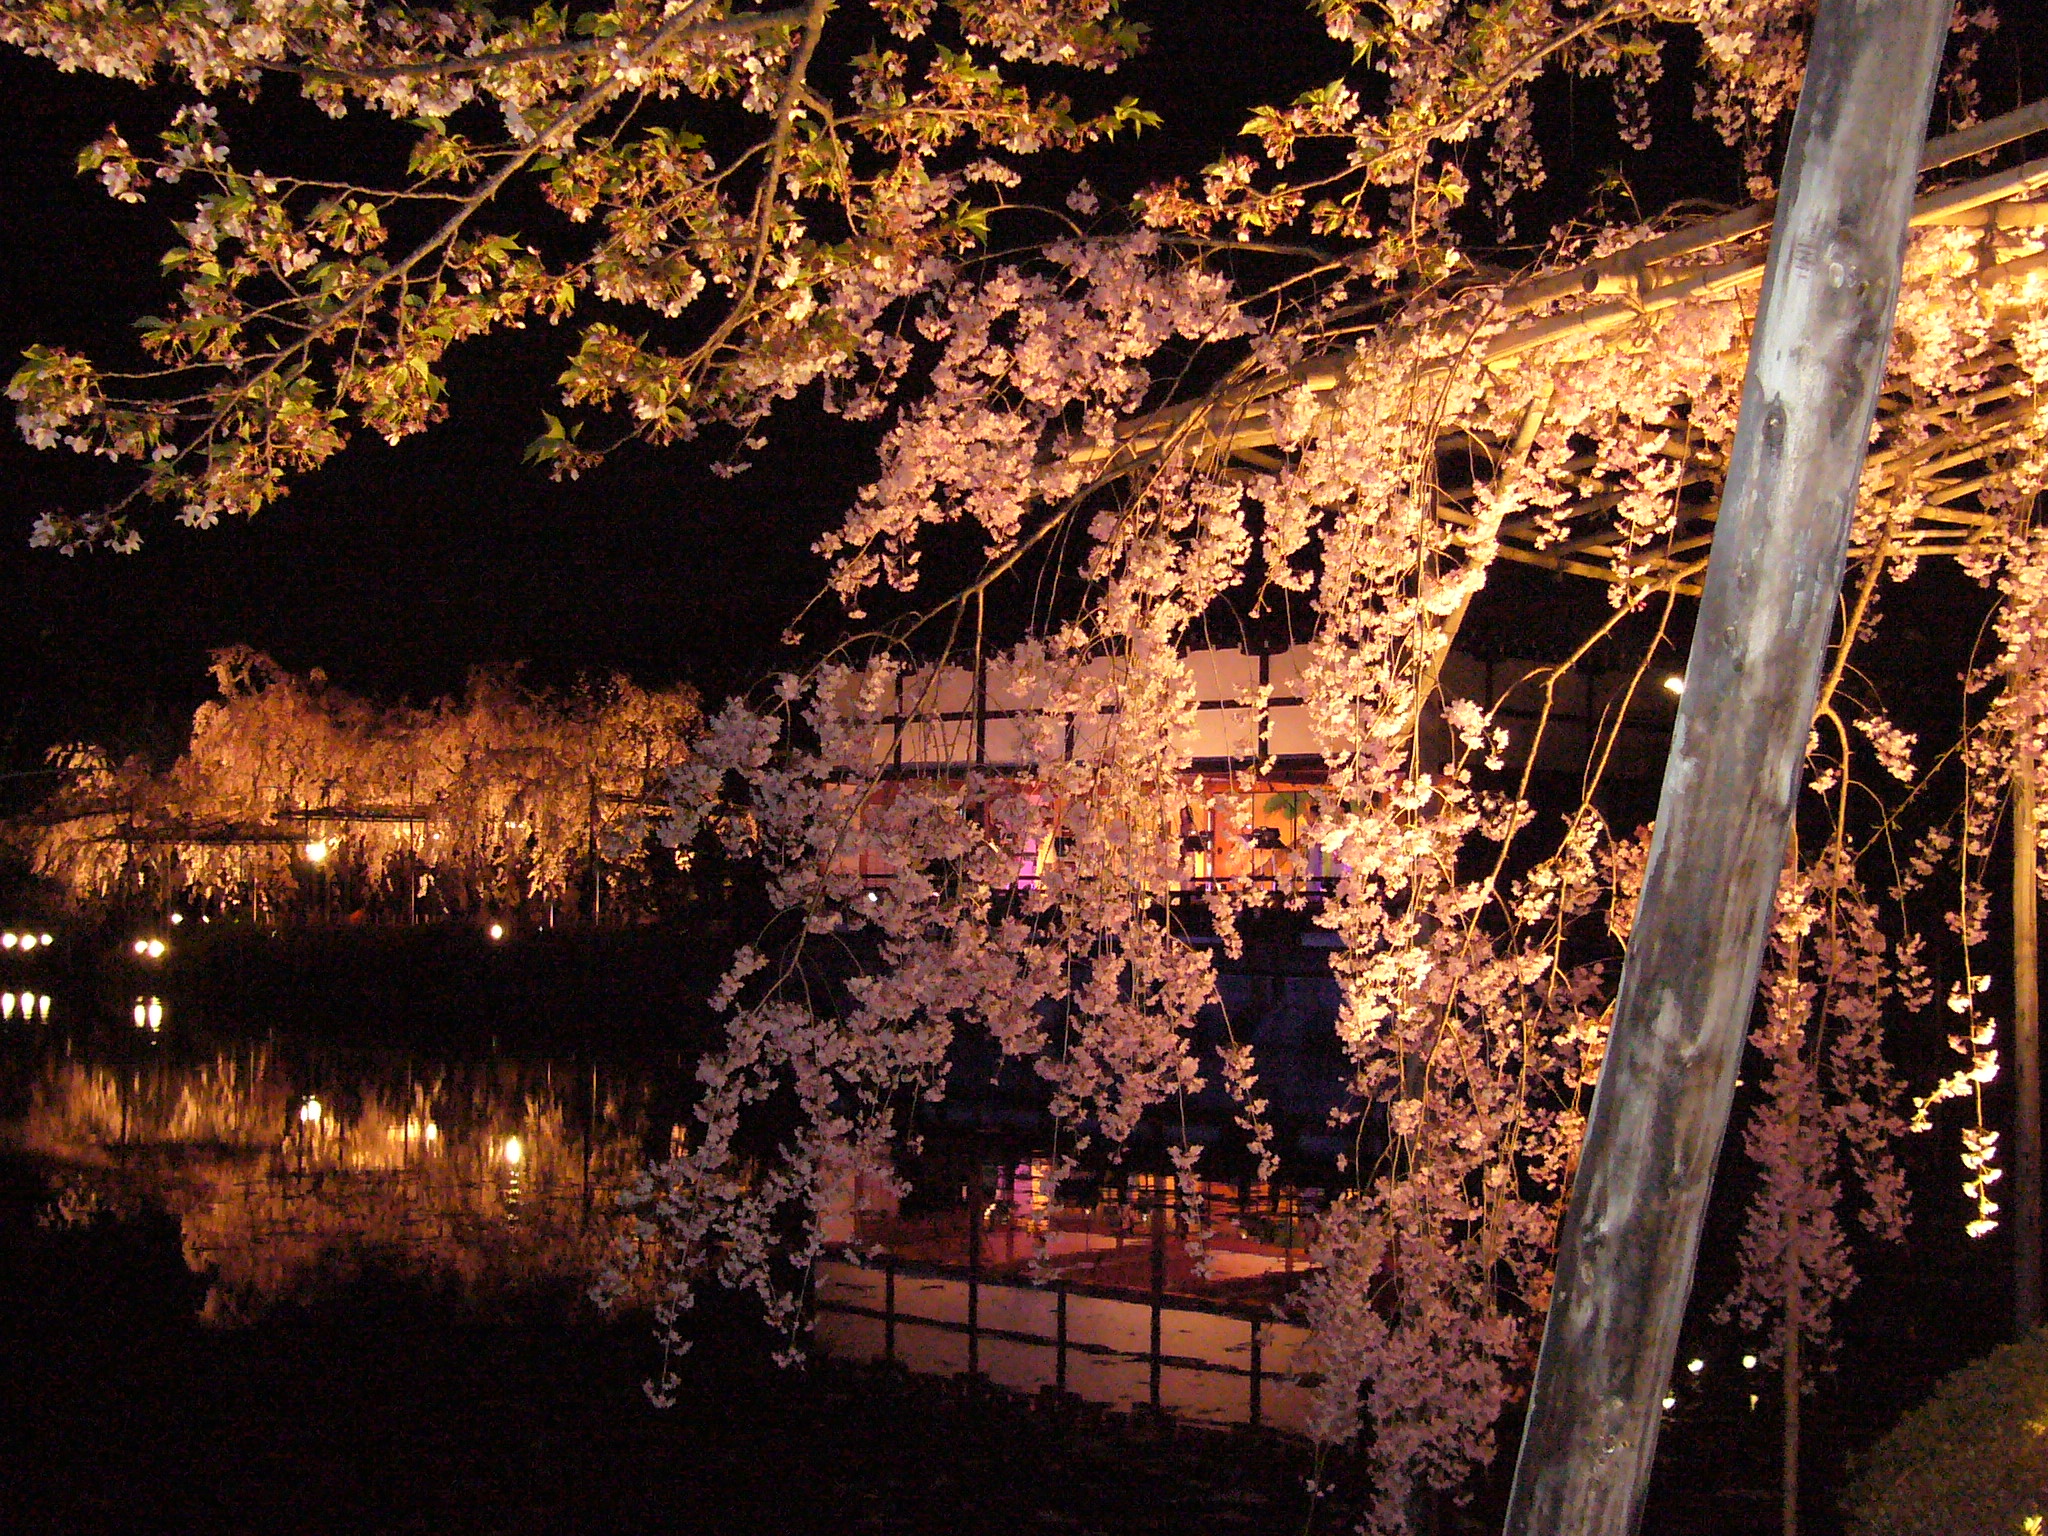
{"type": "Point", "coordinates": [550, 443]}
{"type": "Point", "coordinates": [971, 220]}
{"type": "Point", "coordinates": [1127, 113]}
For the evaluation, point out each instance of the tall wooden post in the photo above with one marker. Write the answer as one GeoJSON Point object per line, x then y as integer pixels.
{"type": "Point", "coordinates": [974, 1273]}
{"type": "Point", "coordinates": [2026, 1032]}
{"type": "Point", "coordinates": [1625, 1260]}
{"type": "Point", "coordinates": [1158, 1288]}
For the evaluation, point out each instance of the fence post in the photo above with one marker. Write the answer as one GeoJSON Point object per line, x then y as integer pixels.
{"type": "Point", "coordinates": [889, 1310]}
{"type": "Point", "coordinates": [1059, 1357]}
{"type": "Point", "coordinates": [974, 1273]}
{"type": "Point", "coordinates": [1257, 1406]}
{"type": "Point", "coordinates": [1158, 1285]}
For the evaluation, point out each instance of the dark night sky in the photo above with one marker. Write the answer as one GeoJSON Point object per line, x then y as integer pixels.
{"type": "Point", "coordinates": [396, 569]}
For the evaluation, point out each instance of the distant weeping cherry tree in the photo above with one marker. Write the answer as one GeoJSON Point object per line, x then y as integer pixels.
{"type": "Point", "coordinates": [507, 797]}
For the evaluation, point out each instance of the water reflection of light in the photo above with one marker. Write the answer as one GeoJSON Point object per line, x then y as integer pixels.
{"type": "Point", "coordinates": [310, 1112]}
{"type": "Point", "coordinates": [515, 1151]}
{"type": "Point", "coordinates": [42, 1005]}
{"type": "Point", "coordinates": [149, 1013]}
{"type": "Point", "coordinates": [6, 1005]}
{"type": "Point", "coordinates": [261, 1217]}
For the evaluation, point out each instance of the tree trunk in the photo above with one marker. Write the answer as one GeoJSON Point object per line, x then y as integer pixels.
{"type": "Point", "coordinates": [2026, 1030]}
{"type": "Point", "coordinates": [1626, 1254]}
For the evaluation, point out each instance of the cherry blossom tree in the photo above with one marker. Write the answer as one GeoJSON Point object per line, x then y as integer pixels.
{"type": "Point", "coordinates": [508, 798]}
{"type": "Point", "coordinates": [1292, 377]}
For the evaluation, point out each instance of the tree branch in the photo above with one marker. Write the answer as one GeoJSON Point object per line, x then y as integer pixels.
{"type": "Point", "coordinates": [731, 26]}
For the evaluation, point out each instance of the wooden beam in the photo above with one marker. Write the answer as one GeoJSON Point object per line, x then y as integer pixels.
{"type": "Point", "coordinates": [1935, 208]}
{"type": "Point", "coordinates": [1629, 1240]}
{"type": "Point", "coordinates": [1743, 222]}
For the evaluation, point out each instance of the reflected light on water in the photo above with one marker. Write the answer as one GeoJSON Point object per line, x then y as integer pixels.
{"type": "Point", "coordinates": [149, 1013]}
{"type": "Point", "coordinates": [482, 1176]}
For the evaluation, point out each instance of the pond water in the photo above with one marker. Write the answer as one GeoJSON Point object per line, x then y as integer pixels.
{"type": "Point", "coordinates": [294, 1160]}
{"type": "Point", "coordinates": [300, 1161]}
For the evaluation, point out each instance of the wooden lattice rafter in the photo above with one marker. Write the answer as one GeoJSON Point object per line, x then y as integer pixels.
{"type": "Point", "coordinates": [1934, 456]}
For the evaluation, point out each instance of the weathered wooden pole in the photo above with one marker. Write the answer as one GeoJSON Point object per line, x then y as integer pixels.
{"type": "Point", "coordinates": [1626, 1252]}
{"type": "Point", "coordinates": [2026, 1032]}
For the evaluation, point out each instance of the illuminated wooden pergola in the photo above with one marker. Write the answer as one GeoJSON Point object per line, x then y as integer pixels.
{"type": "Point", "coordinates": [1957, 446]}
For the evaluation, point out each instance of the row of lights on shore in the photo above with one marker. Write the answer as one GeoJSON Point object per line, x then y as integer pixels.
{"type": "Point", "coordinates": [152, 948]}
{"type": "Point", "coordinates": [25, 941]}
{"type": "Point", "coordinates": [32, 1005]}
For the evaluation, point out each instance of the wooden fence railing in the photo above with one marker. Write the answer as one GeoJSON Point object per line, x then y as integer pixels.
{"type": "Point", "coordinates": [1195, 1360]}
